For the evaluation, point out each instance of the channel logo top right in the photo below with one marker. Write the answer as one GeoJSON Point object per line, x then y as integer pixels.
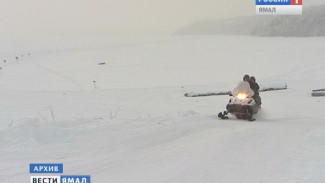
{"type": "Point", "coordinates": [278, 7]}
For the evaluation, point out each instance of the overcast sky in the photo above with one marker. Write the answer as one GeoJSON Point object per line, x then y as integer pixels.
{"type": "Point", "coordinates": [115, 16]}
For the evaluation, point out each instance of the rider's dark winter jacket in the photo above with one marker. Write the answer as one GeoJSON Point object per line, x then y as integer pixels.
{"type": "Point", "coordinates": [255, 87]}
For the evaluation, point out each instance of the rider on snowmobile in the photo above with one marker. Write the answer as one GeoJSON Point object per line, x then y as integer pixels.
{"type": "Point", "coordinates": [255, 87]}
{"type": "Point", "coordinates": [242, 104]}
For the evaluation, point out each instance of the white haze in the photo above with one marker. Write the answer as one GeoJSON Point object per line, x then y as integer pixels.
{"type": "Point", "coordinates": [113, 16]}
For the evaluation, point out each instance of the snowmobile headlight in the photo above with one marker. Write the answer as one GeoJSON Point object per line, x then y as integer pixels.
{"type": "Point", "coordinates": [242, 96]}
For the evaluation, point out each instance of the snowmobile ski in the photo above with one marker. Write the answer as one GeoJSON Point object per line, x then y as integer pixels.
{"type": "Point", "coordinates": [223, 115]}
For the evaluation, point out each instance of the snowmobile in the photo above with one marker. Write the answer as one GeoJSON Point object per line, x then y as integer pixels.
{"type": "Point", "coordinates": [242, 104]}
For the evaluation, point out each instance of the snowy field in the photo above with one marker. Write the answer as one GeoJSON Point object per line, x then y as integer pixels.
{"type": "Point", "coordinates": [134, 125]}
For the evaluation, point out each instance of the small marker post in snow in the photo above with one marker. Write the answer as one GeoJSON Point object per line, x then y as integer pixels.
{"type": "Point", "coordinates": [95, 84]}
{"type": "Point", "coordinates": [17, 59]}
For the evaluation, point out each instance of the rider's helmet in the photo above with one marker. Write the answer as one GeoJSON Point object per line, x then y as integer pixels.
{"type": "Point", "coordinates": [246, 78]}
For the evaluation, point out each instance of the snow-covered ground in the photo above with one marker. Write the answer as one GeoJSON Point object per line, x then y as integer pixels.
{"type": "Point", "coordinates": [136, 126]}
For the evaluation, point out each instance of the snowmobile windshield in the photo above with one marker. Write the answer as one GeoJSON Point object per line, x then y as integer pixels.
{"type": "Point", "coordinates": [243, 87]}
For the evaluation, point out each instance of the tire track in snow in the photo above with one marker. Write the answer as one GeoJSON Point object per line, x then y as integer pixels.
{"type": "Point", "coordinates": [69, 79]}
